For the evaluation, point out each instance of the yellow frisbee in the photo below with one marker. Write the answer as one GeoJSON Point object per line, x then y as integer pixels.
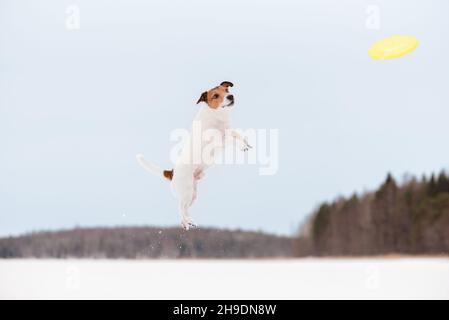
{"type": "Point", "coordinates": [393, 47]}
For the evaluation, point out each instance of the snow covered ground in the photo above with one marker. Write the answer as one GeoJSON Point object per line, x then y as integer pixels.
{"type": "Point", "coordinates": [387, 278]}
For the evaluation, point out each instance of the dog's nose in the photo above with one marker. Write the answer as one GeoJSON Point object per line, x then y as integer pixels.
{"type": "Point", "coordinates": [231, 97]}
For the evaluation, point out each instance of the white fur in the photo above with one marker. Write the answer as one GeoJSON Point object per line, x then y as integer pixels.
{"type": "Point", "coordinates": [151, 168]}
{"type": "Point", "coordinates": [187, 172]}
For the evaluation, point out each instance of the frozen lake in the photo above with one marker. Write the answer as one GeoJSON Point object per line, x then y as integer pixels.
{"type": "Point", "coordinates": [386, 278]}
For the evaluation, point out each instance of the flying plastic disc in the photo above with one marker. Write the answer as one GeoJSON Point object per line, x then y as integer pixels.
{"type": "Point", "coordinates": [393, 47]}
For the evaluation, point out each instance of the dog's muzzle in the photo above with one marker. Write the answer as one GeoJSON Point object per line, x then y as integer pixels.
{"type": "Point", "coordinates": [231, 101]}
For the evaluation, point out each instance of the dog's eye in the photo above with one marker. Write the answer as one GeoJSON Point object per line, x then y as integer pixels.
{"type": "Point", "coordinates": [215, 96]}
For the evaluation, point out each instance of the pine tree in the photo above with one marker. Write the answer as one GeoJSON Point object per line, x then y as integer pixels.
{"type": "Point", "coordinates": [442, 185]}
{"type": "Point", "coordinates": [432, 186]}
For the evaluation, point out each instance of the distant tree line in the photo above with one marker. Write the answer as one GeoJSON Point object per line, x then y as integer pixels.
{"type": "Point", "coordinates": [407, 218]}
{"type": "Point", "coordinates": [145, 242]}
{"type": "Point", "coordinates": [412, 218]}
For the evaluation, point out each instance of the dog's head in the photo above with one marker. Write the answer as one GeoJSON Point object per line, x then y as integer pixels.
{"type": "Point", "coordinates": [218, 97]}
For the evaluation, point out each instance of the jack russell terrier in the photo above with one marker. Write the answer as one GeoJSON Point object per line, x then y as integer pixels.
{"type": "Point", "coordinates": [213, 115]}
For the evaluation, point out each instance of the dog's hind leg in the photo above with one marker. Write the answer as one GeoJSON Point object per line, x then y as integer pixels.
{"type": "Point", "coordinates": [195, 192]}
{"type": "Point", "coordinates": [184, 205]}
{"type": "Point", "coordinates": [183, 184]}
{"type": "Point", "coordinates": [199, 174]}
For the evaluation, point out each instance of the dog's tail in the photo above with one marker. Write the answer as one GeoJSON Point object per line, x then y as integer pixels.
{"type": "Point", "coordinates": [168, 174]}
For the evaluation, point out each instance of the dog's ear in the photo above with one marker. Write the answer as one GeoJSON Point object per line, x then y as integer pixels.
{"type": "Point", "coordinates": [226, 84]}
{"type": "Point", "coordinates": [203, 97]}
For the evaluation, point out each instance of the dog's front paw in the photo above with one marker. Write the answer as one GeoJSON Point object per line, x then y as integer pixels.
{"type": "Point", "coordinates": [246, 147]}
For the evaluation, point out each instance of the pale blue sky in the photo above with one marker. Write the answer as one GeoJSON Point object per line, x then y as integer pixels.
{"type": "Point", "coordinates": [76, 106]}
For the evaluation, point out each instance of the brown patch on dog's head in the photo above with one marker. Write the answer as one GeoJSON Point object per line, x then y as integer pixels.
{"type": "Point", "coordinates": [218, 96]}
